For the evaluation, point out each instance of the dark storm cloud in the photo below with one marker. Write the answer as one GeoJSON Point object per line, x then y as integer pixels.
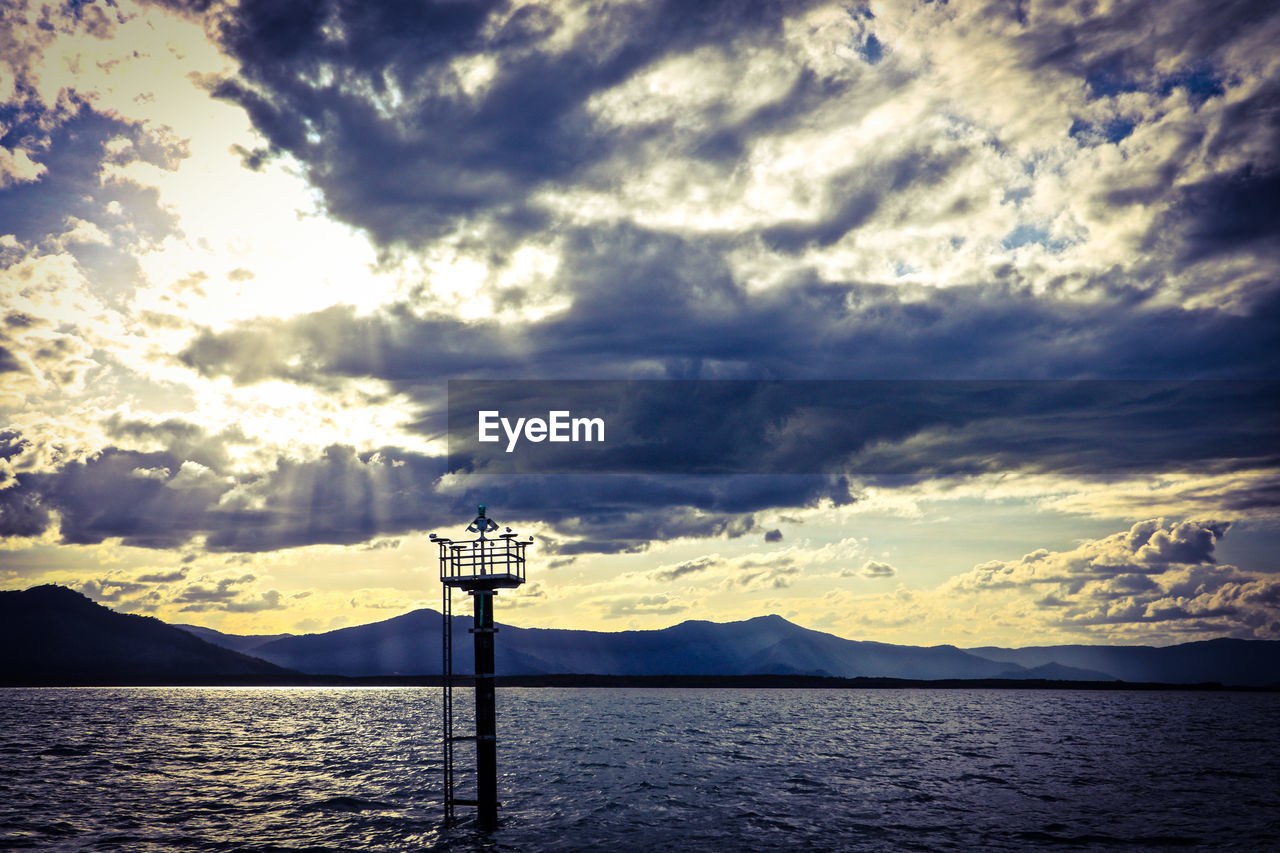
{"type": "Point", "coordinates": [185, 440]}
{"type": "Point", "coordinates": [372, 101]}
{"type": "Point", "coordinates": [341, 498]}
{"type": "Point", "coordinates": [1226, 213]}
{"type": "Point", "coordinates": [161, 500]}
{"type": "Point", "coordinates": [22, 512]}
{"type": "Point", "coordinates": [365, 96]}
{"type": "Point", "coordinates": [8, 361]}
{"type": "Point", "coordinates": [140, 497]}
{"type": "Point", "coordinates": [12, 443]}
{"type": "Point", "coordinates": [164, 498]}
{"type": "Point", "coordinates": [876, 430]}
{"type": "Point", "coordinates": [335, 343]}
{"type": "Point", "coordinates": [368, 99]}
{"type": "Point", "coordinates": [644, 298]}
{"type": "Point", "coordinates": [633, 523]}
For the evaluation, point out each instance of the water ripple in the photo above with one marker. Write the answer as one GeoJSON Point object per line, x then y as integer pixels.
{"type": "Point", "coordinates": [320, 769]}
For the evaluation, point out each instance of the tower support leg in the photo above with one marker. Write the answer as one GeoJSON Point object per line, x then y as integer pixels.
{"type": "Point", "coordinates": [486, 713]}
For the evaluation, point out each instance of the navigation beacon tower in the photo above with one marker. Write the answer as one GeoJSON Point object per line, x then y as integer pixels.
{"type": "Point", "coordinates": [480, 566]}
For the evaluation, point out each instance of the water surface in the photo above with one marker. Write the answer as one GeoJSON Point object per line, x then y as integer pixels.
{"type": "Point", "coordinates": [642, 769]}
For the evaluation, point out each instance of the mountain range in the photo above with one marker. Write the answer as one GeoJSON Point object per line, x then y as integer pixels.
{"type": "Point", "coordinates": [52, 634]}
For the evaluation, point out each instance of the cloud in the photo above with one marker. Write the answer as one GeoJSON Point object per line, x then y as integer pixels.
{"type": "Point", "coordinates": [798, 125]}
{"type": "Point", "coordinates": [621, 190]}
{"type": "Point", "coordinates": [1151, 574]}
{"type": "Point", "coordinates": [1032, 198]}
{"type": "Point", "coordinates": [880, 431]}
{"type": "Point", "coordinates": [227, 593]}
{"type": "Point", "coordinates": [1155, 583]}
{"type": "Point", "coordinates": [98, 218]}
{"type": "Point", "coordinates": [16, 166]}
{"type": "Point", "coordinates": [769, 572]}
{"type": "Point", "coordinates": [377, 126]}
{"type": "Point", "coordinates": [103, 497]}
{"type": "Point", "coordinates": [381, 545]}
{"type": "Point", "coordinates": [622, 606]}
{"type": "Point", "coordinates": [894, 435]}
{"type": "Point", "coordinates": [37, 361]}
{"type": "Point", "coordinates": [168, 576]}
{"type": "Point", "coordinates": [872, 569]}
{"type": "Point", "coordinates": [381, 599]}
{"type": "Point", "coordinates": [157, 499]}
{"type": "Point", "coordinates": [528, 595]}
{"type": "Point", "coordinates": [725, 331]}
{"type": "Point", "coordinates": [688, 567]}
{"type": "Point", "coordinates": [1147, 548]}
{"type": "Point", "coordinates": [182, 438]}
{"type": "Point", "coordinates": [111, 590]}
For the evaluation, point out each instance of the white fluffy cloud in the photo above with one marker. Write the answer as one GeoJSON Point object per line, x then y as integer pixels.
{"type": "Point", "coordinates": [1156, 582]}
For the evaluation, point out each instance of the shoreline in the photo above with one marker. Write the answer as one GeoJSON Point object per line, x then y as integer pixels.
{"type": "Point", "coordinates": [699, 682]}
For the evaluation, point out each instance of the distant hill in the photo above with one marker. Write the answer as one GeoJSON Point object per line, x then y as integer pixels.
{"type": "Point", "coordinates": [1227, 661]}
{"type": "Point", "coordinates": [410, 645]}
{"type": "Point", "coordinates": [245, 643]}
{"type": "Point", "coordinates": [53, 635]}
{"type": "Point", "coordinates": [1057, 672]}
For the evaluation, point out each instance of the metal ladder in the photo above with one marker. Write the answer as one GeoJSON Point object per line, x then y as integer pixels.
{"type": "Point", "coordinates": [449, 738]}
{"type": "Point", "coordinates": [447, 704]}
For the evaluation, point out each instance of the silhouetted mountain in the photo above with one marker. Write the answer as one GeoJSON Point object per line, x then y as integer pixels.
{"type": "Point", "coordinates": [411, 645]}
{"type": "Point", "coordinates": [1227, 661]}
{"type": "Point", "coordinates": [53, 635]}
{"type": "Point", "coordinates": [1057, 672]}
{"type": "Point", "coordinates": [245, 643]}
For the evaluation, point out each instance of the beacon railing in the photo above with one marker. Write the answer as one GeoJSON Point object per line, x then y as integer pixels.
{"type": "Point", "coordinates": [501, 559]}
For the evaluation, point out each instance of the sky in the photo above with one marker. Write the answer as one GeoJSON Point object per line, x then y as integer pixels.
{"type": "Point", "coordinates": [244, 248]}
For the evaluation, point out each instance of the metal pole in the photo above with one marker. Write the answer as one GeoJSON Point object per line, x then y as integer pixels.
{"type": "Point", "coordinates": [446, 699]}
{"type": "Point", "coordinates": [486, 713]}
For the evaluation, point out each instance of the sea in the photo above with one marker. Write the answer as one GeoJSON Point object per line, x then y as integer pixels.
{"type": "Point", "coordinates": [339, 769]}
